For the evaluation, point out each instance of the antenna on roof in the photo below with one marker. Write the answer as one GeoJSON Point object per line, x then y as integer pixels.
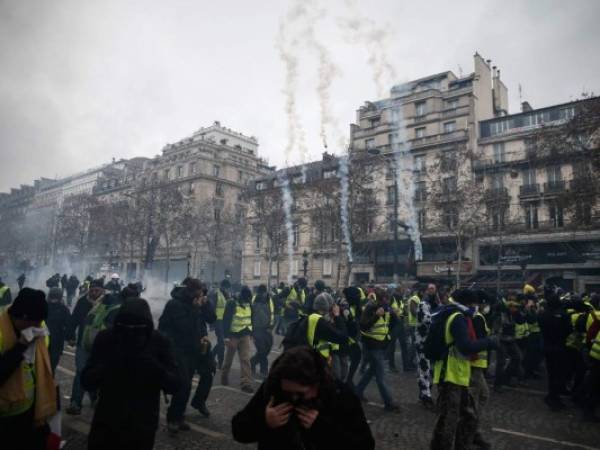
{"type": "Point", "coordinates": [460, 71]}
{"type": "Point", "coordinates": [520, 93]}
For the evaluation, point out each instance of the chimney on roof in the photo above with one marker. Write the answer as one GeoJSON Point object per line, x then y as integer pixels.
{"type": "Point", "coordinates": [217, 123]}
{"type": "Point", "coordinates": [525, 107]}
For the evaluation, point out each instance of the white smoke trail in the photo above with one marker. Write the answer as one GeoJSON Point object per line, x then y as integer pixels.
{"type": "Point", "coordinates": [375, 39]}
{"type": "Point", "coordinates": [405, 179]}
{"type": "Point", "coordinates": [344, 175]}
{"type": "Point", "coordinates": [286, 192]}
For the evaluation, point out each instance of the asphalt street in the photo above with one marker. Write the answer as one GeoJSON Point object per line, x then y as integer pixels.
{"type": "Point", "coordinates": [516, 419]}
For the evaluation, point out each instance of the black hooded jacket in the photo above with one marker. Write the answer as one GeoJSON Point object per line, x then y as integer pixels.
{"type": "Point", "coordinates": [185, 323]}
{"type": "Point", "coordinates": [129, 366]}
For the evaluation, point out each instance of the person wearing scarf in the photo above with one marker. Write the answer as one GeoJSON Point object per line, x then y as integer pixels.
{"type": "Point", "coordinates": [27, 388]}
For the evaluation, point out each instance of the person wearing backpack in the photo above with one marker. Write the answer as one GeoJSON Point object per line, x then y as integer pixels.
{"type": "Point", "coordinates": [263, 317]}
{"type": "Point", "coordinates": [74, 336]}
{"type": "Point", "coordinates": [237, 328]}
{"type": "Point", "coordinates": [457, 419]}
{"type": "Point", "coordinates": [375, 323]}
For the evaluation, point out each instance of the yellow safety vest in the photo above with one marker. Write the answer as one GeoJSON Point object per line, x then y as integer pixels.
{"type": "Point", "coordinates": [521, 330]}
{"type": "Point", "coordinates": [220, 306]}
{"type": "Point", "coordinates": [575, 340]}
{"type": "Point", "coordinates": [242, 319]}
{"type": "Point", "coordinates": [3, 290]}
{"type": "Point", "coordinates": [534, 327]}
{"type": "Point", "coordinates": [397, 306]}
{"type": "Point", "coordinates": [323, 347]}
{"type": "Point", "coordinates": [457, 365]}
{"type": "Point", "coordinates": [482, 356]}
{"type": "Point", "coordinates": [293, 296]}
{"type": "Point", "coordinates": [595, 350]}
{"type": "Point", "coordinates": [29, 376]}
{"type": "Point", "coordinates": [412, 319]}
{"type": "Point", "coordinates": [363, 297]}
{"type": "Point", "coordinates": [380, 329]}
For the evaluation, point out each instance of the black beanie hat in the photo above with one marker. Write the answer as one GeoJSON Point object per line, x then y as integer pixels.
{"type": "Point", "coordinates": [30, 304]}
{"type": "Point", "coordinates": [245, 294]}
{"type": "Point", "coordinates": [98, 283]}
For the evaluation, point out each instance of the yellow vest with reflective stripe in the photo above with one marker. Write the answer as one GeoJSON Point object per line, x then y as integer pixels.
{"type": "Point", "coordinates": [595, 350]}
{"type": "Point", "coordinates": [323, 347]}
{"type": "Point", "coordinates": [29, 377]}
{"type": "Point", "coordinates": [575, 340]}
{"type": "Point", "coordinates": [457, 366]}
{"type": "Point", "coordinates": [412, 319]}
{"type": "Point", "coordinates": [3, 290]}
{"type": "Point", "coordinates": [482, 356]}
{"type": "Point", "coordinates": [242, 318]}
{"type": "Point", "coordinates": [380, 329]}
{"type": "Point", "coordinates": [220, 306]}
{"type": "Point", "coordinates": [397, 306]}
{"type": "Point", "coordinates": [521, 330]}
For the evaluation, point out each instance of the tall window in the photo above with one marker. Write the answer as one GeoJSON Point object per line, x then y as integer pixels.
{"type": "Point", "coordinates": [497, 218]}
{"type": "Point", "coordinates": [499, 152]}
{"type": "Point", "coordinates": [450, 218]}
{"type": "Point", "coordinates": [422, 219]}
{"type": "Point", "coordinates": [257, 237]}
{"type": "Point", "coordinates": [555, 212]}
{"type": "Point", "coordinates": [420, 164]}
{"type": "Point", "coordinates": [257, 268]}
{"type": "Point", "coordinates": [240, 176]}
{"type": "Point", "coordinates": [296, 235]}
{"type": "Point", "coordinates": [167, 174]}
{"type": "Point", "coordinates": [529, 177]}
{"type": "Point", "coordinates": [554, 175]}
{"type": "Point", "coordinates": [449, 185]}
{"type": "Point", "coordinates": [179, 171]}
{"type": "Point", "coordinates": [419, 132]}
{"type": "Point", "coordinates": [219, 189]}
{"type": "Point", "coordinates": [327, 267]}
{"type": "Point", "coordinates": [531, 216]}
{"type": "Point", "coordinates": [452, 104]}
{"type": "Point", "coordinates": [497, 181]}
{"type": "Point", "coordinates": [583, 212]}
{"type": "Point", "coordinates": [391, 195]}
{"type": "Point", "coordinates": [217, 215]}
{"type": "Point", "coordinates": [449, 127]}
{"type": "Point", "coordinates": [193, 167]}
{"type": "Point", "coordinates": [420, 108]}
{"type": "Point", "coordinates": [216, 170]}
{"type": "Point", "coordinates": [370, 144]}
{"type": "Point", "coordinates": [421, 191]}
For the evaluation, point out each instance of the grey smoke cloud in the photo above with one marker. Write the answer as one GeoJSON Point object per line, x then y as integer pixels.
{"type": "Point", "coordinates": [82, 82]}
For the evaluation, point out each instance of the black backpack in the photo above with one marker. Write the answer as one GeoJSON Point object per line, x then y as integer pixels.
{"type": "Point", "coordinates": [435, 347]}
{"type": "Point", "coordinates": [296, 334]}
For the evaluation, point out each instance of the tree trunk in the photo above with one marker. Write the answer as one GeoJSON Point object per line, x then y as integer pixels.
{"type": "Point", "coordinates": [168, 262]}
{"type": "Point", "coordinates": [458, 260]}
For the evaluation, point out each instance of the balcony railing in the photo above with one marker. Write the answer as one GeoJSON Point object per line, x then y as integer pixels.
{"type": "Point", "coordinates": [554, 187]}
{"type": "Point", "coordinates": [582, 184]}
{"type": "Point", "coordinates": [529, 190]}
{"type": "Point", "coordinates": [439, 138]}
{"type": "Point", "coordinates": [497, 194]}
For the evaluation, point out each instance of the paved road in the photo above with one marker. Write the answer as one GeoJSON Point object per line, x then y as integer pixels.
{"type": "Point", "coordinates": [517, 419]}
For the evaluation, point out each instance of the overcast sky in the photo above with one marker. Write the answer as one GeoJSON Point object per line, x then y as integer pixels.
{"type": "Point", "coordinates": [84, 81]}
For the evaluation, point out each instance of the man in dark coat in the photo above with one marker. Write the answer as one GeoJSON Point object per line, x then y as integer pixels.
{"type": "Point", "coordinates": [75, 338]}
{"type": "Point", "coordinates": [129, 366]}
{"type": "Point", "coordinates": [262, 323]}
{"type": "Point", "coordinates": [53, 281]}
{"type": "Point", "coordinates": [72, 285]}
{"type": "Point", "coordinates": [301, 406]}
{"type": "Point", "coordinates": [57, 322]}
{"type": "Point", "coordinates": [184, 321]}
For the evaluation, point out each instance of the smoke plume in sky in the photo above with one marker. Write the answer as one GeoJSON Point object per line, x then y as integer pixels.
{"type": "Point", "coordinates": [82, 82]}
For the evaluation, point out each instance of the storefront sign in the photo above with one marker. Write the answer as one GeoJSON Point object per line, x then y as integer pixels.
{"type": "Point", "coordinates": [570, 252]}
{"type": "Point", "coordinates": [440, 268]}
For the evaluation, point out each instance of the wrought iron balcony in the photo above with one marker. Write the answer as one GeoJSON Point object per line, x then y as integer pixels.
{"type": "Point", "coordinates": [529, 190]}
{"type": "Point", "coordinates": [554, 187]}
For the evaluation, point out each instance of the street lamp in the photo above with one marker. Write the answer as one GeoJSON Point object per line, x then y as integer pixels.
{"type": "Point", "coordinates": [189, 260]}
{"type": "Point", "coordinates": [305, 262]}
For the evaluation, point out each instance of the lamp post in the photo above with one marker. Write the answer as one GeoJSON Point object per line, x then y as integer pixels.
{"type": "Point", "coordinates": [189, 260]}
{"type": "Point", "coordinates": [304, 262]}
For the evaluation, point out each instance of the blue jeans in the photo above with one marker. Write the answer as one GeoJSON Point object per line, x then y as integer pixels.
{"type": "Point", "coordinates": [375, 358]}
{"type": "Point", "coordinates": [81, 357]}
